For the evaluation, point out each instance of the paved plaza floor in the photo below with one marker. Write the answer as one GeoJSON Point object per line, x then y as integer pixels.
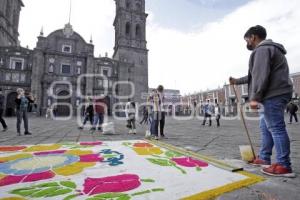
{"type": "Point", "coordinates": [218, 142]}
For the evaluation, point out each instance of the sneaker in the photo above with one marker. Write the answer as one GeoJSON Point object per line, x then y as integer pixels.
{"type": "Point", "coordinates": [5, 129]}
{"type": "Point", "coordinates": [80, 127]}
{"type": "Point", "coordinates": [289, 122]}
{"type": "Point", "coordinates": [92, 129]}
{"type": "Point", "coordinates": [259, 162]}
{"type": "Point", "coordinates": [278, 171]}
{"type": "Point", "coordinates": [155, 138]}
{"type": "Point", "coordinates": [27, 133]}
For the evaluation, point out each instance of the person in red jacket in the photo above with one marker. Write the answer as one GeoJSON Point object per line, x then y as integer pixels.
{"type": "Point", "coordinates": [100, 108]}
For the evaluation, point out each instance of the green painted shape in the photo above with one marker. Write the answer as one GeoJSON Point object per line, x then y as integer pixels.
{"type": "Point", "coordinates": [182, 171]}
{"type": "Point", "coordinates": [172, 154]}
{"type": "Point", "coordinates": [68, 184]}
{"type": "Point", "coordinates": [141, 193]}
{"type": "Point", "coordinates": [161, 162]}
{"type": "Point", "coordinates": [45, 192]}
{"type": "Point", "coordinates": [108, 155]}
{"type": "Point", "coordinates": [158, 190]}
{"type": "Point", "coordinates": [148, 180]}
{"type": "Point", "coordinates": [198, 169]}
{"type": "Point", "coordinates": [47, 185]}
{"type": "Point", "coordinates": [126, 143]}
{"type": "Point", "coordinates": [110, 196]}
{"type": "Point", "coordinates": [72, 196]}
{"type": "Point", "coordinates": [25, 192]}
{"type": "Point", "coordinates": [60, 192]}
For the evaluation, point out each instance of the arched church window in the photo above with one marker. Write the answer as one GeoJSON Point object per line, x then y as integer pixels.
{"type": "Point", "coordinates": [138, 31]}
{"type": "Point", "coordinates": [128, 4]}
{"type": "Point", "coordinates": [127, 29]}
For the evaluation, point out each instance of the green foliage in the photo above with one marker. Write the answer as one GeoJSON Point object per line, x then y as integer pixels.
{"type": "Point", "coordinates": [46, 189]}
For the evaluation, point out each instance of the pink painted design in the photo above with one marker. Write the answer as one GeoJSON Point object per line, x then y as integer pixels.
{"type": "Point", "coordinates": [142, 145]}
{"type": "Point", "coordinates": [189, 162]}
{"type": "Point", "coordinates": [11, 148]}
{"type": "Point", "coordinates": [91, 143]}
{"type": "Point", "coordinates": [50, 152]}
{"type": "Point", "coordinates": [11, 179]}
{"type": "Point", "coordinates": [91, 158]}
{"type": "Point", "coordinates": [120, 183]}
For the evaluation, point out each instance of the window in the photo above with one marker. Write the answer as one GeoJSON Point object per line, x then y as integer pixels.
{"type": "Point", "coordinates": [100, 82]}
{"type": "Point", "coordinates": [1, 61]}
{"type": "Point", "coordinates": [127, 4]}
{"type": "Point", "coordinates": [15, 77]}
{"type": "Point", "coordinates": [110, 83]}
{"type": "Point", "coordinates": [78, 70]}
{"type": "Point", "coordinates": [7, 76]}
{"type": "Point", "coordinates": [51, 68]}
{"type": "Point", "coordinates": [138, 31]}
{"type": "Point", "coordinates": [66, 48]}
{"type": "Point", "coordinates": [106, 71]}
{"type": "Point", "coordinates": [65, 69]}
{"type": "Point", "coordinates": [127, 29]}
{"type": "Point", "coordinates": [22, 77]}
{"type": "Point", "coordinates": [16, 63]}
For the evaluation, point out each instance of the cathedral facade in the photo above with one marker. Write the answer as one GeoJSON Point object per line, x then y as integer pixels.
{"type": "Point", "coordinates": [62, 69]}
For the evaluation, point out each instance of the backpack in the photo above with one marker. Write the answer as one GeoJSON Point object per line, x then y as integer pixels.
{"type": "Point", "coordinates": [24, 104]}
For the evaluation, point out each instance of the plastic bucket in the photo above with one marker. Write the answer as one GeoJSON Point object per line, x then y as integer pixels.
{"type": "Point", "coordinates": [246, 153]}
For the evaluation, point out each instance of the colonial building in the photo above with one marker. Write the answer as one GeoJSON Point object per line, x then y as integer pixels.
{"type": "Point", "coordinates": [62, 69]}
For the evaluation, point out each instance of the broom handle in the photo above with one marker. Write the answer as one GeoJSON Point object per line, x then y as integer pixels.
{"type": "Point", "coordinates": [243, 119]}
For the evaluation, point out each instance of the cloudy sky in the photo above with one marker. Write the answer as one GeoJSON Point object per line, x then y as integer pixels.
{"type": "Point", "coordinates": [194, 44]}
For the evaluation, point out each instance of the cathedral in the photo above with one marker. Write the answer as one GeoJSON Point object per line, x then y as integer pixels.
{"type": "Point", "coordinates": [62, 69]}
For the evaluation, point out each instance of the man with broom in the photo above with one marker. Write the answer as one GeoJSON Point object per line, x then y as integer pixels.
{"type": "Point", "coordinates": [269, 84]}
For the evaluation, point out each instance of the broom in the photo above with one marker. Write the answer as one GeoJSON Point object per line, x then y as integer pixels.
{"type": "Point", "coordinates": [244, 123]}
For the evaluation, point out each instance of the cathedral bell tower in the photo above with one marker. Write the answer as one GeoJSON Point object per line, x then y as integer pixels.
{"type": "Point", "coordinates": [130, 42]}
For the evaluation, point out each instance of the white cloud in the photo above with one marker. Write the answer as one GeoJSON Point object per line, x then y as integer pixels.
{"type": "Point", "coordinates": [206, 57]}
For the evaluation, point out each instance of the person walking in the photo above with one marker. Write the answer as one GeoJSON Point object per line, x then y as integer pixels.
{"type": "Point", "coordinates": [1, 111]}
{"type": "Point", "coordinates": [217, 114]}
{"type": "Point", "coordinates": [130, 112]}
{"type": "Point", "coordinates": [162, 110]}
{"type": "Point", "coordinates": [100, 107]}
{"type": "Point", "coordinates": [269, 84]}
{"type": "Point", "coordinates": [88, 113]}
{"type": "Point", "coordinates": [145, 115]}
{"type": "Point", "coordinates": [22, 102]}
{"type": "Point", "coordinates": [292, 109]}
{"type": "Point", "coordinates": [207, 109]}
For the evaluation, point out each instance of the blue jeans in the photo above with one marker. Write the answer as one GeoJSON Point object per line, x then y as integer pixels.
{"type": "Point", "coordinates": [98, 118]}
{"type": "Point", "coordinates": [273, 130]}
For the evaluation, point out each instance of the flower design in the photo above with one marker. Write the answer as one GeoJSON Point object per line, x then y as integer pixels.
{"type": "Point", "coordinates": [119, 183]}
{"type": "Point", "coordinates": [189, 162]}
{"type": "Point", "coordinates": [45, 164]}
{"type": "Point", "coordinates": [146, 149]}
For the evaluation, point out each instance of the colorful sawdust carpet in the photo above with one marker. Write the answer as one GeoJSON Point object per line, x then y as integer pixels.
{"type": "Point", "coordinates": [119, 170]}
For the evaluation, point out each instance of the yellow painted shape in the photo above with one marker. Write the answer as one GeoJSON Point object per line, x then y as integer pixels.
{"type": "Point", "coordinates": [147, 150]}
{"type": "Point", "coordinates": [77, 152]}
{"type": "Point", "coordinates": [12, 198]}
{"type": "Point", "coordinates": [210, 194]}
{"type": "Point", "coordinates": [72, 169]}
{"type": "Point", "coordinates": [15, 157]}
{"type": "Point", "coordinates": [42, 148]}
